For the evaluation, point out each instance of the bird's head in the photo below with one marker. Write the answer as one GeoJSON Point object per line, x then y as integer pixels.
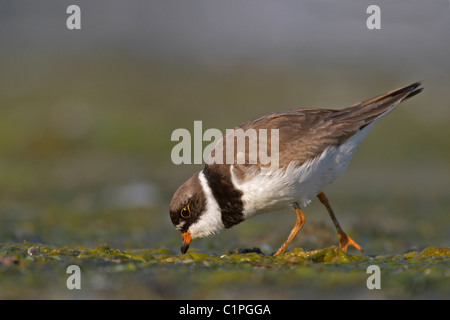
{"type": "Point", "coordinates": [192, 212]}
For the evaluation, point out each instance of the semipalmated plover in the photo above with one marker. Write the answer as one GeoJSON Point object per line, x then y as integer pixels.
{"type": "Point", "coordinates": [315, 147]}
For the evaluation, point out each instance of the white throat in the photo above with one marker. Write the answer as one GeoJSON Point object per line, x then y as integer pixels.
{"type": "Point", "coordinates": [210, 221]}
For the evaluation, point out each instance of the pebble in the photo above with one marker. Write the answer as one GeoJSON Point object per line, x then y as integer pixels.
{"type": "Point", "coordinates": [32, 251]}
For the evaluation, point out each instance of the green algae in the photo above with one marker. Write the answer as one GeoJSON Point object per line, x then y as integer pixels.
{"type": "Point", "coordinates": [435, 252]}
{"type": "Point", "coordinates": [331, 255]}
{"type": "Point", "coordinates": [162, 273]}
{"type": "Point", "coordinates": [334, 255]}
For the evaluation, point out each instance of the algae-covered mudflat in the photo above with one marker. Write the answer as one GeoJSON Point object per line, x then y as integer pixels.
{"type": "Point", "coordinates": [40, 271]}
{"type": "Point", "coordinates": [86, 173]}
{"type": "Point", "coordinates": [86, 179]}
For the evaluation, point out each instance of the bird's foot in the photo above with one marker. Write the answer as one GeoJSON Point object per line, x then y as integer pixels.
{"type": "Point", "coordinates": [345, 241]}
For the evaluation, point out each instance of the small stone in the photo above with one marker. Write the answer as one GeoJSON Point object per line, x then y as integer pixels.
{"type": "Point", "coordinates": [32, 251]}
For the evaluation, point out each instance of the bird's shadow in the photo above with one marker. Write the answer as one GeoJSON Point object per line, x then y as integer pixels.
{"type": "Point", "coordinates": [247, 250]}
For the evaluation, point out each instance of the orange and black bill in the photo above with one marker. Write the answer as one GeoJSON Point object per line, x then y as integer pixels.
{"type": "Point", "coordinates": [186, 237]}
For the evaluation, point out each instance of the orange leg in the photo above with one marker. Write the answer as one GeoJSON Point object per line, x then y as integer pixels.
{"type": "Point", "coordinates": [298, 225]}
{"type": "Point", "coordinates": [344, 239]}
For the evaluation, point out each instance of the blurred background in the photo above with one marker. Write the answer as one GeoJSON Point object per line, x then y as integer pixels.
{"type": "Point", "coordinates": [86, 115]}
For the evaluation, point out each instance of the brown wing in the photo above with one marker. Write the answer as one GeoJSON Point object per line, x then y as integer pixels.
{"type": "Point", "coordinates": [305, 133]}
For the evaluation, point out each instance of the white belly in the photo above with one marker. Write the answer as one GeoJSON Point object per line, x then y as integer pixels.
{"type": "Point", "coordinates": [278, 189]}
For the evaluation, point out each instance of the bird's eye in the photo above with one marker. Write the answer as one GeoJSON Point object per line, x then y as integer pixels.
{"type": "Point", "coordinates": [185, 212]}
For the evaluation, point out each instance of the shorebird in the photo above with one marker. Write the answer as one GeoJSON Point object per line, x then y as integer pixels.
{"type": "Point", "coordinates": [314, 149]}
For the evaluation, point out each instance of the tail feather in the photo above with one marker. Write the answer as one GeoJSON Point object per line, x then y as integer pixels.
{"type": "Point", "coordinates": [401, 93]}
{"type": "Point", "coordinates": [413, 93]}
{"type": "Point", "coordinates": [371, 109]}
